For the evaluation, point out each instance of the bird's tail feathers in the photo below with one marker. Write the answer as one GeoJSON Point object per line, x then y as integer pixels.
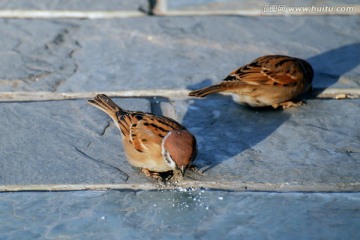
{"type": "Point", "coordinates": [105, 104]}
{"type": "Point", "coordinates": [203, 92]}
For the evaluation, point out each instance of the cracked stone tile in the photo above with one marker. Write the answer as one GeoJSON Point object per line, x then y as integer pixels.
{"type": "Point", "coordinates": [63, 142]}
{"type": "Point", "coordinates": [44, 67]}
{"type": "Point", "coordinates": [169, 52]}
{"type": "Point", "coordinates": [71, 142]}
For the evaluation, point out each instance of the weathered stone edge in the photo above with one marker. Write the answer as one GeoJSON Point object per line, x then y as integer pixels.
{"type": "Point", "coordinates": [66, 14]}
{"type": "Point", "coordinates": [228, 186]}
{"type": "Point", "coordinates": [333, 93]}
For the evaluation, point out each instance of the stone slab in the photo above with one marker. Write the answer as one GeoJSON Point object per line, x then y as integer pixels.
{"type": "Point", "coordinates": [70, 142]}
{"type": "Point", "coordinates": [181, 214]}
{"type": "Point", "coordinates": [312, 144]}
{"type": "Point", "coordinates": [67, 142]}
{"type": "Point", "coordinates": [77, 5]}
{"type": "Point", "coordinates": [169, 52]}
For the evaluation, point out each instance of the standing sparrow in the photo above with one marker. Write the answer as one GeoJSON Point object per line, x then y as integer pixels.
{"type": "Point", "coordinates": [271, 80]}
{"type": "Point", "coordinates": [153, 143]}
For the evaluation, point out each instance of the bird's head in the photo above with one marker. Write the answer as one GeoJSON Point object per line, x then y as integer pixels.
{"type": "Point", "coordinates": [179, 149]}
{"type": "Point", "coordinates": [308, 73]}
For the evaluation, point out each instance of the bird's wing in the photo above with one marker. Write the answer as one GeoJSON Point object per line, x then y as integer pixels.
{"type": "Point", "coordinates": [268, 70]}
{"type": "Point", "coordinates": [146, 131]}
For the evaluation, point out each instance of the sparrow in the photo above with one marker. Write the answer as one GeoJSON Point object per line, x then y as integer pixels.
{"type": "Point", "coordinates": [153, 143]}
{"type": "Point", "coordinates": [272, 80]}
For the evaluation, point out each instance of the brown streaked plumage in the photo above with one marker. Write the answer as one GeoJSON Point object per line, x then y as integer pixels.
{"type": "Point", "coordinates": [151, 142]}
{"type": "Point", "coordinates": [272, 80]}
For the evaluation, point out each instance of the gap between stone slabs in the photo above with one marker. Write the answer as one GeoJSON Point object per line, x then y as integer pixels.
{"type": "Point", "coordinates": [332, 93]}
{"type": "Point", "coordinates": [227, 186]}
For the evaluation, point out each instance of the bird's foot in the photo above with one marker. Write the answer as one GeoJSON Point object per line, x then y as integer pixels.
{"type": "Point", "coordinates": [289, 104]}
{"type": "Point", "coordinates": [150, 174]}
{"type": "Point", "coordinates": [193, 168]}
{"type": "Point", "coordinates": [162, 176]}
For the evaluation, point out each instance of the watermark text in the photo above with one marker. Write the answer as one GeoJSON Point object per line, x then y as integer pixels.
{"type": "Point", "coordinates": [274, 8]}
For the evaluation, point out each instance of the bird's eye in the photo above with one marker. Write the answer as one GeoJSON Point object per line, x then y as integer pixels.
{"type": "Point", "coordinates": [168, 157]}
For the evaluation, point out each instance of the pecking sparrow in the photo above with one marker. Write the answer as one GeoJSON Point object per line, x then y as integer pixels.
{"type": "Point", "coordinates": [271, 80]}
{"type": "Point", "coordinates": [153, 143]}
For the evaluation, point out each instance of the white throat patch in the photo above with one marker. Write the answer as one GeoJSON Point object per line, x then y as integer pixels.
{"type": "Point", "coordinates": [166, 155]}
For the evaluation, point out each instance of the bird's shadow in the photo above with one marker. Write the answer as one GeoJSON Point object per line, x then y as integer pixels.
{"type": "Point", "coordinates": [331, 65]}
{"type": "Point", "coordinates": [225, 129]}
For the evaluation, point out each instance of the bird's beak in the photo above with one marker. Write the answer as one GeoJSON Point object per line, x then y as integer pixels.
{"type": "Point", "coordinates": [182, 169]}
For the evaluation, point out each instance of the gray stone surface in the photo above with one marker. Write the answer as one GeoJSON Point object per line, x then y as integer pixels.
{"type": "Point", "coordinates": [312, 144]}
{"type": "Point", "coordinates": [184, 214]}
{"type": "Point", "coordinates": [169, 52]}
{"type": "Point", "coordinates": [62, 142]}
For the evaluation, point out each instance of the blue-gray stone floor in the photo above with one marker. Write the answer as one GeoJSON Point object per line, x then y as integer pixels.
{"type": "Point", "coordinates": [263, 174]}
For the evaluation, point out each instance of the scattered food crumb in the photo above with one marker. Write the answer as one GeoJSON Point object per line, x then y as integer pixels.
{"type": "Point", "coordinates": [341, 96]}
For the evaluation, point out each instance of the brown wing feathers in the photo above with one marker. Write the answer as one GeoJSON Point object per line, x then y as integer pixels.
{"type": "Point", "coordinates": [267, 70]}
{"type": "Point", "coordinates": [138, 127]}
